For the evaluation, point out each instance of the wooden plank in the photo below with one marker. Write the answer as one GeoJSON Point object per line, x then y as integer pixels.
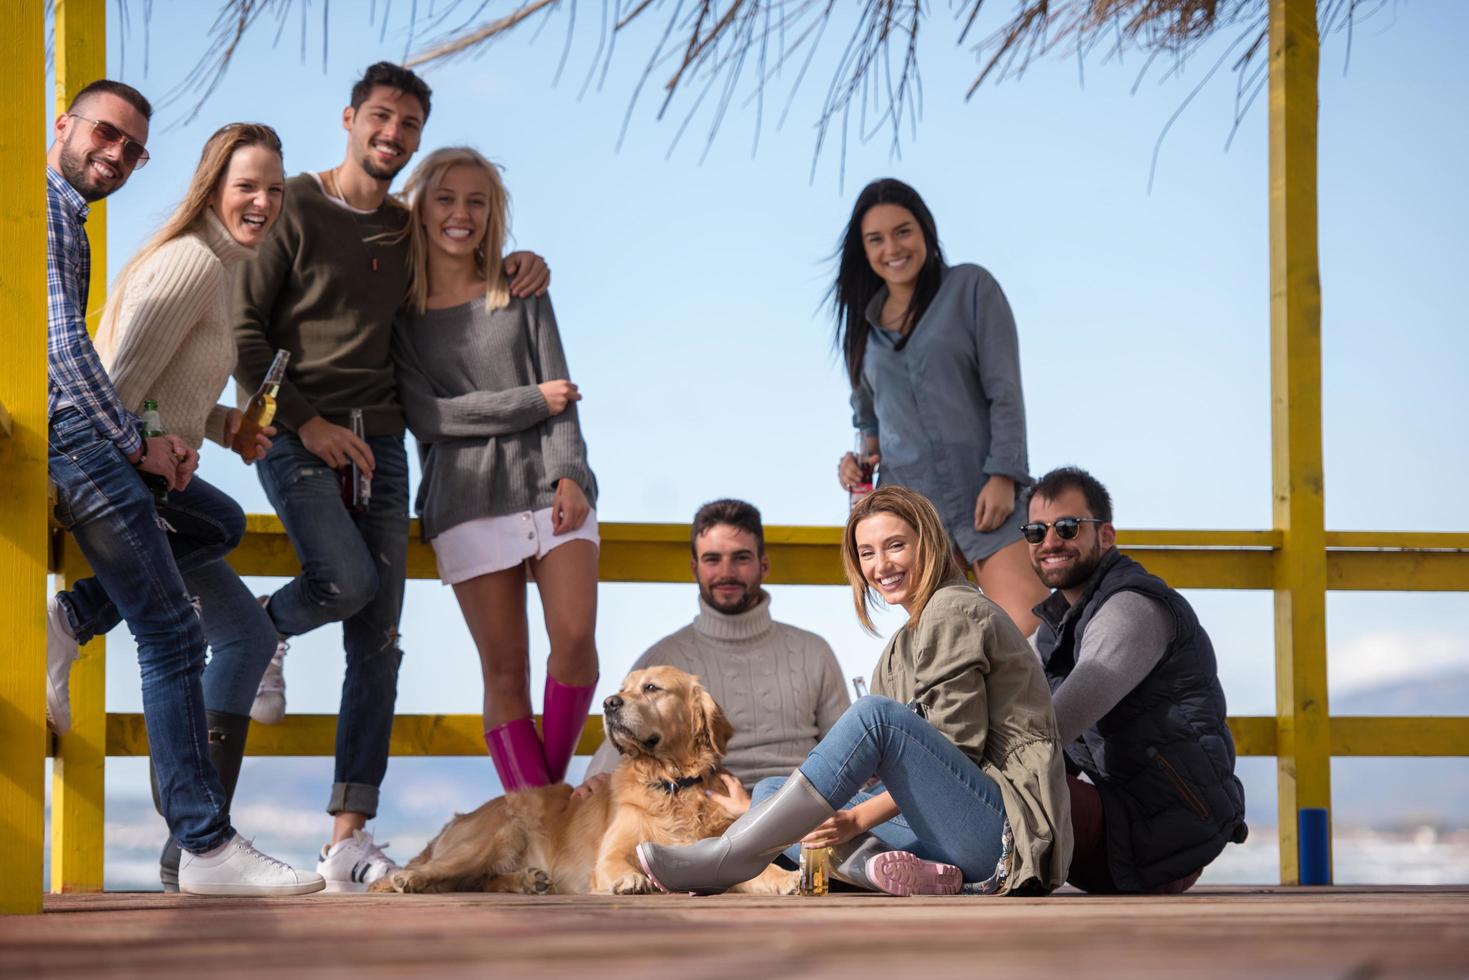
{"type": "Point", "coordinates": [4, 421]}
{"type": "Point", "coordinates": [460, 735]}
{"type": "Point", "coordinates": [1304, 761]}
{"type": "Point", "coordinates": [77, 780]}
{"type": "Point", "coordinates": [1243, 931]}
{"type": "Point", "coordinates": [1353, 735]}
{"type": "Point", "coordinates": [23, 459]}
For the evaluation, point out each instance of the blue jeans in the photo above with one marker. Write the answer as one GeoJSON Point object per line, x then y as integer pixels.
{"type": "Point", "coordinates": [204, 525]}
{"type": "Point", "coordinates": [951, 811]}
{"type": "Point", "coordinates": [352, 571]}
{"type": "Point", "coordinates": [103, 503]}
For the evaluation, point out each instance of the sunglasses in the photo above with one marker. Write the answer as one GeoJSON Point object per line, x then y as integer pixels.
{"type": "Point", "coordinates": [104, 134]}
{"type": "Point", "coordinates": [1066, 528]}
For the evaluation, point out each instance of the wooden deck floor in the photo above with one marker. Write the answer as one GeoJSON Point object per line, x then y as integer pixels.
{"type": "Point", "coordinates": [1336, 933]}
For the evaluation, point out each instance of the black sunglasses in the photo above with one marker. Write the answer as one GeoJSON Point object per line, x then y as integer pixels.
{"type": "Point", "coordinates": [104, 134]}
{"type": "Point", "coordinates": [1066, 528]}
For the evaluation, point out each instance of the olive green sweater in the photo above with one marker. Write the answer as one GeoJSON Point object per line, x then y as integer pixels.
{"type": "Point", "coordinates": [325, 286]}
{"type": "Point", "coordinates": [976, 680]}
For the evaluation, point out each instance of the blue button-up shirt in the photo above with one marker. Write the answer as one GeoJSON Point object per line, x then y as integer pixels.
{"type": "Point", "coordinates": [74, 371]}
{"type": "Point", "coordinates": [947, 405]}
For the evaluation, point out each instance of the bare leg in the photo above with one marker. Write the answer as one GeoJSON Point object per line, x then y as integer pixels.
{"type": "Point", "coordinates": [1008, 578]}
{"type": "Point", "coordinates": [344, 823]}
{"type": "Point", "coordinates": [567, 579]}
{"type": "Point", "coordinates": [494, 608]}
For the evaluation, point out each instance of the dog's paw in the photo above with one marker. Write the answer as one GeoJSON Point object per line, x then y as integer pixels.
{"type": "Point", "coordinates": [402, 880]}
{"type": "Point", "coordinates": [634, 883]}
{"type": "Point", "coordinates": [534, 881]}
{"type": "Point", "coordinates": [787, 883]}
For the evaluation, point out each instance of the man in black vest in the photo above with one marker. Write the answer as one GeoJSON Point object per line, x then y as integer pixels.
{"type": "Point", "coordinates": [1138, 702]}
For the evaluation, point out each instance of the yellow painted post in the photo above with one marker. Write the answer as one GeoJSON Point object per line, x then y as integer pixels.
{"type": "Point", "coordinates": [23, 545]}
{"type": "Point", "coordinates": [79, 771]}
{"type": "Point", "coordinates": [1304, 743]}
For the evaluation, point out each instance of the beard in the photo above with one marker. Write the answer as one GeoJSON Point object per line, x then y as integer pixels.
{"type": "Point", "coordinates": [76, 168]}
{"type": "Point", "coordinates": [1074, 575]}
{"type": "Point", "coordinates": [730, 607]}
{"type": "Point", "coordinates": [377, 172]}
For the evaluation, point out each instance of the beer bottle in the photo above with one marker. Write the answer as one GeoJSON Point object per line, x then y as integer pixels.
{"type": "Point", "coordinates": [815, 875]}
{"type": "Point", "coordinates": [153, 428]}
{"type": "Point", "coordinates": [863, 486]}
{"type": "Point", "coordinates": [260, 411]}
{"type": "Point", "coordinates": [356, 485]}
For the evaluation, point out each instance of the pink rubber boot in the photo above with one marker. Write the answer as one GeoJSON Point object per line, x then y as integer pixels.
{"type": "Point", "coordinates": [564, 716]}
{"type": "Point", "coordinates": [518, 756]}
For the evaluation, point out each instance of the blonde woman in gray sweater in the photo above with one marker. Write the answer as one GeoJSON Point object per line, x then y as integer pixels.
{"type": "Point", "coordinates": [506, 493]}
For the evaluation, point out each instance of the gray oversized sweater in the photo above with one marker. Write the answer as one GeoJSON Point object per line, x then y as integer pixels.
{"type": "Point", "coordinates": [780, 687]}
{"type": "Point", "coordinates": [487, 441]}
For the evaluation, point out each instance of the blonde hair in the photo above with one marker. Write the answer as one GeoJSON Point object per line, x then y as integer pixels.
{"type": "Point", "coordinates": [934, 563]}
{"type": "Point", "coordinates": [219, 150]}
{"type": "Point", "coordinates": [487, 254]}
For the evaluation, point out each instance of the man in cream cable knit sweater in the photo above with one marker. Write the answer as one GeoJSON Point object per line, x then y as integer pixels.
{"type": "Point", "coordinates": [780, 686]}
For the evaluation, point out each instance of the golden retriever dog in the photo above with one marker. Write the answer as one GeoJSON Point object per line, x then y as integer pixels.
{"type": "Point", "coordinates": [671, 736]}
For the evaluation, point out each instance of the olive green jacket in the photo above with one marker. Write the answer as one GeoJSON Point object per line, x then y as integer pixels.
{"type": "Point", "coordinates": [977, 681]}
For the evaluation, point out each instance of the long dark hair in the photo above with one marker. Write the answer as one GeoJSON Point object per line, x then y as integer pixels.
{"type": "Point", "coordinates": [856, 283]}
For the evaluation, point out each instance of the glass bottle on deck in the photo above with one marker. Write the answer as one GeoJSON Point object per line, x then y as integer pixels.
{"type": "Point", "coordinates": [260, 411]}
{"type": "Point", "coordinates": [815, 870]}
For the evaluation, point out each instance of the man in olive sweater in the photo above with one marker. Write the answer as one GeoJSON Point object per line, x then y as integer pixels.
{"type": "Point", "coordinates": [326, 286]}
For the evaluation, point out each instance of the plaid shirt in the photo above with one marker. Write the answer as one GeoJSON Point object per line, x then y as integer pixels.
{"type": "Point", "coordinates": [74, 370]}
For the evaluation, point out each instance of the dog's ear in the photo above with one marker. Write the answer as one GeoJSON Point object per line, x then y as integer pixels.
{"type": "Point", "coordinates": [711, 728]}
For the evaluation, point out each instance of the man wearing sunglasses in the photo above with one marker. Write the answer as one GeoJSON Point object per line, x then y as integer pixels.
{"type": "Point", "coordinates": [1138, 702]}
{"type": "Point", "coordinates": [98, 450]}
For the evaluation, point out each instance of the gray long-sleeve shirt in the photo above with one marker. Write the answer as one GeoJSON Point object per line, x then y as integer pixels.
{"type": "Point", "coordinates": [1122, 644]}
{"type": "Point", "coordinates": [489, 445]}
{"type": "Point", "coordinates": [947, 406]}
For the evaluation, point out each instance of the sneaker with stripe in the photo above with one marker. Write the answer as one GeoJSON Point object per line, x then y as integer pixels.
{"type": "Point", "coordinates": [352, 864]}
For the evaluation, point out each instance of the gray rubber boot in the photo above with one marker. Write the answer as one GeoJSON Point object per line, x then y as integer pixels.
{"type": "Point", "coordinates": [849, 860]}
{"type": "Point", "coordinates": [227, 735]}
{"type": "Point", "coordinates": [751, 842]}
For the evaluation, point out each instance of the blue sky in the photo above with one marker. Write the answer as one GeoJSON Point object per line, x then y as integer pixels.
{"type": "Point", "coordinates": [689, 295]}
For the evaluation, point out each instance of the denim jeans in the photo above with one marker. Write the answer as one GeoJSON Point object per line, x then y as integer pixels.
{"type": "Point", "coordinates": [352, 571]}
{"type": "Point", "coordinates": [203, 526]}
{"type": "Point", "coordinates": [103, 503]}
{"type": "Point", "coordinates": [951, 811]}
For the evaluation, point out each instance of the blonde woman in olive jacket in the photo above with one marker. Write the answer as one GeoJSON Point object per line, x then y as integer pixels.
{"type": "Point", "coordinates": [959, 732]}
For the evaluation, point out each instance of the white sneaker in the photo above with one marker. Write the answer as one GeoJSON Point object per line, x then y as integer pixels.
{"type": "Point", "coordinates": [61, 653]}
{"type": "Point", "coordinates": [351, 865]}
{"type": "Point", "coordinates": [270, 698]}
{"type": "Point", "coordinates": [237, 868]}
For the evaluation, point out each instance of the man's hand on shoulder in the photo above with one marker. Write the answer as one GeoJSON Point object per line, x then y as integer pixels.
{"type": "Point", "coordinates": [529, 274]}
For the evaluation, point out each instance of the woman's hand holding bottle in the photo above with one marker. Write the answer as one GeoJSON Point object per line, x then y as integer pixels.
{"type": "Point", "coordinates": [559, 394]}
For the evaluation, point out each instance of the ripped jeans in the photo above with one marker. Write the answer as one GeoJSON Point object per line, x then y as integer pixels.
{"type": "Point", "coordinates": [109, 512]}
{"type": "Point", "coordinates": [202, 525]}
{"type": "Point", "coordinates": [352, 571]}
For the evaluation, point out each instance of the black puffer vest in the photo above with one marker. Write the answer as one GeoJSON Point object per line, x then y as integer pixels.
{"type": "Point", "coordinates": [1163, 758]}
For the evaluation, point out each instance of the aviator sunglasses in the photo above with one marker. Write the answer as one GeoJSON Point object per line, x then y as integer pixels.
{"type": "Point", "coordinates": [1066, 528]}
{"type": "Point", "coordinates": [104, 134]}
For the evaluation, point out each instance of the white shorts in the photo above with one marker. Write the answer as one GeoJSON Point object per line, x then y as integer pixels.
{"type": "Point", "coordinates": [493, 544]}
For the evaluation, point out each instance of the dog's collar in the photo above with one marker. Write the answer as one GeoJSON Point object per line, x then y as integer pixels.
{"type": "Point", "coordinates": [672, 786]}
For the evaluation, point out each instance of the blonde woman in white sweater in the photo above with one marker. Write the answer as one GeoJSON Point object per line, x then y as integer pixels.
{"type": "Point", "coordinates": [164, 336]}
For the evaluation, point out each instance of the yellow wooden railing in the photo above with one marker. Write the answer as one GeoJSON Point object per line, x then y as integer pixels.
{"type": "Point", "coordinates": [1297, 559]}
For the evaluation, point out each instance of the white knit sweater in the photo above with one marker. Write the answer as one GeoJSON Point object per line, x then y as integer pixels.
{"type": "Point", "coordinates": [780, 687]}
{"type": "Point", "coordinates": [172, 340]}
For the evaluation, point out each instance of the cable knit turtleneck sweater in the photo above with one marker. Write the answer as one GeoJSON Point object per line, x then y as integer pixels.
{"type": "Point", "coordinates": [171, 340]}
{"type": "Point", "coordinates": [780, 687]}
